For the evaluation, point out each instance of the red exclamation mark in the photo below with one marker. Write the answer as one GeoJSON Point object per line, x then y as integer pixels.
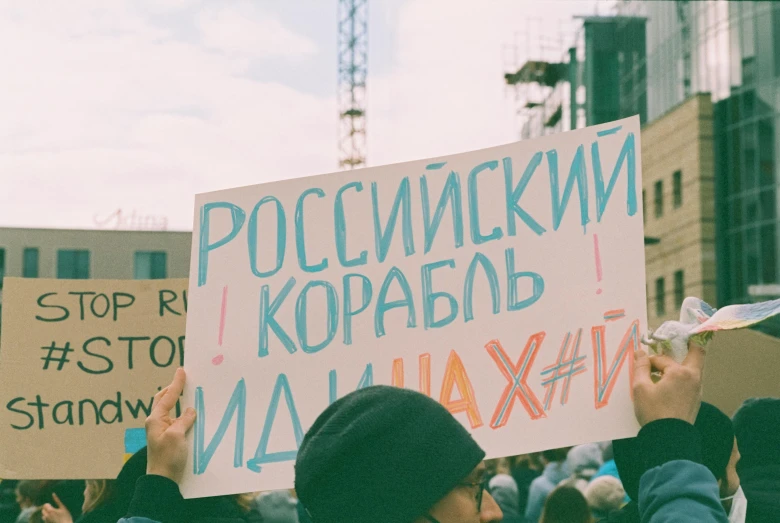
{"type": "Point", "coordinates": [598, 260]}
{"type": "Point", "coordinates": [219, 358]}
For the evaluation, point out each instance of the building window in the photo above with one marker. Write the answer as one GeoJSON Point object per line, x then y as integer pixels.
{"type": "Point", "coordinates": [73, 264]}
{"type": "Point", "coordinates": [30, 262]}
{"type": "Point", "coordinates": [679, 289]}
{"type": "Point", "coordinates": [660, 297]}
{"type": "Point", "coordinates": [677, 186]}
{"type": "Point", "coordinates": [150, 265]}
{"type": "Point", "coordinates": [659, 198]}
{"type": "Point", "coordinates": [2, 267]}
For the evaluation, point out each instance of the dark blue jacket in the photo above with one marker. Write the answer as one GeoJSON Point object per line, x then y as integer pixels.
{"type": "Point", "coordinates": [675, 487]}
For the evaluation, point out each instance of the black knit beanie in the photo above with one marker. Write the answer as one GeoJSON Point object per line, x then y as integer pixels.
{"type": "Point", "coordinates": [382, 454]}
{"type": "Point", "coordinates": [758, 438]}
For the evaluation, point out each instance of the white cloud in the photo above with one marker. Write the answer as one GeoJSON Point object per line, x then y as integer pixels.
{"type": "Point", "coordinates": [105, 106]}
{"type": "Point", "coordinates": [445, 93]}
{"type": "Point", "coordinates": [95, 119]}
{"type": "Point", "coordinates": [241, 29]}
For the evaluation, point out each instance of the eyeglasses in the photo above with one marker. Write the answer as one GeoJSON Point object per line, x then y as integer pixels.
{"type": "Point", "coordinates": [481, 487]}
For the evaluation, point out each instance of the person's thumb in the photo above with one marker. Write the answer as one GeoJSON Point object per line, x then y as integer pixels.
{"type": "Point", "coordinates": [642, 367]}
{"type": "Point", "coordinates": [57, 500]}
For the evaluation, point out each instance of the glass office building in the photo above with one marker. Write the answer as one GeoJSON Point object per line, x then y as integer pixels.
{"type": "Point", "coordinates": [732, 51]}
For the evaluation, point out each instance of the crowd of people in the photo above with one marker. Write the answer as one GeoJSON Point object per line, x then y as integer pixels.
{"type": "Point", "coordinates": [389, 455]}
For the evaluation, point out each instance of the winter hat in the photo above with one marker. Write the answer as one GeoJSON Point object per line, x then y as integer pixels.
{"type": "Point", "coordinates": [585, 460]}
{"type": "Point", "coordinates": [277, 507]}
{"type": "Point", "coordinates": [504, 490]}
{"type": "Point", "coordinates": [605, 495]}
{"type": "Point", "coordinates": [758, 439]}
{"type": "Point", "coordinates": [382, 454]}
{"type": "Point", "coordinates": [717, 438]}
{"type": "Point", "coordinates": [717, 442]}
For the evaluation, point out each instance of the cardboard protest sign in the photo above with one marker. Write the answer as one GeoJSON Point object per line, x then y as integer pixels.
{"type": "Point", "coordinates": [507, 283]}
{"type": "Point", "coordinates": [80, 361]}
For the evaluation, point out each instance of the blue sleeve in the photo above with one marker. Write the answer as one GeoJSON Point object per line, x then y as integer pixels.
{"type": "Point", "coordinates": [680, 491]}
{"type": "Point", "coordinates": [156, 500]}
{"type": "Point", "coordinates": [675, 486]}
{"type": "Point", "coordinates": [536, 499]}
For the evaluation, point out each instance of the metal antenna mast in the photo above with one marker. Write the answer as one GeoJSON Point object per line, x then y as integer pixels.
{"type": "Point", "coordinates": [353, 69]}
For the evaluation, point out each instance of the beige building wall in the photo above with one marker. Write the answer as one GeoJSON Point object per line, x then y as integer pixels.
{"type": "Point", "coordinates": [681, 140]}
{"type": "Point", "coordinates": [112, 253]}
{"type": "Point", "coordinates": [741, 364]}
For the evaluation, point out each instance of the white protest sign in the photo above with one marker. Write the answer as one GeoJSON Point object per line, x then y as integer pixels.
{"type": "Point", "coordinates": [507, 283]}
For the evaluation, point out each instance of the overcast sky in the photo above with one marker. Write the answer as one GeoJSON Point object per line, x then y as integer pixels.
{"type": "Point", "coordinates": [140, 104]}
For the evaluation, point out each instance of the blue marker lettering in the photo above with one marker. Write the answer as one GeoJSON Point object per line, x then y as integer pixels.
{"type": "Point", "coordinates": [300, 236]}
{"type": "Point", "coordinates": [237, 217]}
{"type": "Point", "coordinates": [513, 194]}
{"type": "Point", "coordinates": [268, 309]}
{"type": "Point", "coordinates": [512, 277]}
{"type": "Point", "coordinates": [236, 406]}
{"type": "Point", "coordinates": [340, 223]}
{"type": "Point", "coordinates": [382, 305]}
{"type": "Point", "coordinates": [261, 454]}
{"type": "Point", "coordinates": [383, 239]}
{"type": "Point", "coordinates": [450, 194]}
{"type": "Point", "coordinates": [281, 237]}
{"type": "Point", "coordinates": [476, 236]}
{"type": "Point", "coordinates": [366, 293]}
{"type": "Point", "coordinates": [628, 152]}
{"type": "Point", "coordinates": [430, 297]}
{"type": "Point", "coordinates": [332, 316]}
{"type": "Point", "coordinates": [468, 286]}
{"type": "Point", "coordinates": [577, 173]}
{"type": "Point", "coordinates": [366, 380]}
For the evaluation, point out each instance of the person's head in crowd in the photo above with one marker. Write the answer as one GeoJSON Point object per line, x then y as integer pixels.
{"type": "Point", "coordinates": [103, 500]}
{"type": "Point", "coordinates": [606, 452]}
{"type": "Point", "coordinates": [719, 447]}
{"type": "Point", "coordinates": [555, 455]}
{"type": "Point", "coordinates": [497, 466]}
{"type": "Point", "coordinates": [758, 438]}
{"type": "Point", "coordinates": [605, 495]}
{"type": "Point", "coordinates": [717, 438]}
{"type": "Point", "coordinates": [278, 506]}
{"type": "Point", "coordinates": [392, 455]}
{"type": "Point", "coordinates": [504, 490]}
{"type": "Point", "coordinates": [566, 505]}
{"type": "Point", "coordinates": [97, 493]}
{"type": "Point", "coordinates": [584, 461]}
{"type": "Point", "coordinates": [37, 516]}
{"type": "Point", "coordinates": [27, 492]}
{"type": "Point", "coordinates": [756, 425]}
{"type": "Point", "coordinates": [531, 461]}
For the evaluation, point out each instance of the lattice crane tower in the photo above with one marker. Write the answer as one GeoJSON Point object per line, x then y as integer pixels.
{"type": "Point", "coordinates": [353, 62]}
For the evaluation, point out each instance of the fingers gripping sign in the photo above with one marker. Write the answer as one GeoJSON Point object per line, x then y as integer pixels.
{"type": "Point", "coordinates": [676, 394]}
{"type": "Point", "coordinates": [166, 436]}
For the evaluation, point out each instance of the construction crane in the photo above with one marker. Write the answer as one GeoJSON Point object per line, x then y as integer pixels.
{"type": "Point", "coordinates": [353, 62]}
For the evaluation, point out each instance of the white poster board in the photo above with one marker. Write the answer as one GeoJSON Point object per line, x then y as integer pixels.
{"type": "Point", "coordinates": [508, 283]}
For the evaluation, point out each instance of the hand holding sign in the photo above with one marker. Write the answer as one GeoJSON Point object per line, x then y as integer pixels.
{"type": "Point", "coordinates": [61, 514]}
{"type": "Point", "coordinates": [676, 395]}
{"type": "Point", "coordinates": [167, 447]}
